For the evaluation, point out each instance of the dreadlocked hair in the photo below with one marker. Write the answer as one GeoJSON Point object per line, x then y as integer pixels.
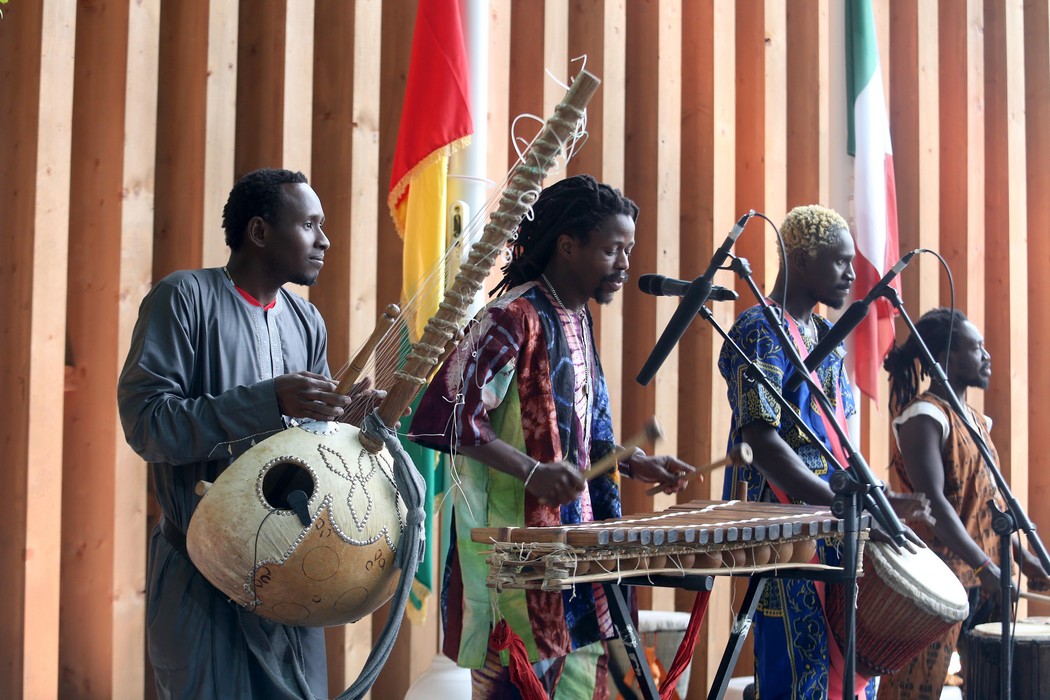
{"type": "Point", "coordinates": [904, 363]}
{"type": "Point", "coordinates": [574, 206]}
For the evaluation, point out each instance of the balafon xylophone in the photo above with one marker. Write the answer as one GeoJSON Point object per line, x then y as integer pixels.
{"type": "Point", "coordinates": [695, 538]}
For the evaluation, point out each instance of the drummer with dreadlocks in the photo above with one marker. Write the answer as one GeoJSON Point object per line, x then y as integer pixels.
{"type": "Point", "coordinates": [935, 454]}
{"type": "Point", "coordinates": [522, 404]}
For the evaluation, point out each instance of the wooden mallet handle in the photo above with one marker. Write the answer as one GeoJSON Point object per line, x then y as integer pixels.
{"type": "Point", "coordinates": [740, 453]}
{"type": "Point", "coordinates": [651, 432]}
{"type": "Point", "coordinates": [1035, 596]}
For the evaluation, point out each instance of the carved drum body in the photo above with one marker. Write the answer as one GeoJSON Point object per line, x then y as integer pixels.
{"type": "Point", "coordinates": [248, 538]}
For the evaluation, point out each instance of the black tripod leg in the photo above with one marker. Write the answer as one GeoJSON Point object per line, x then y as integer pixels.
{"type": "Point", "coordinates": [737, 637]}
{"type": "Point", "coordinates": [621, 618]}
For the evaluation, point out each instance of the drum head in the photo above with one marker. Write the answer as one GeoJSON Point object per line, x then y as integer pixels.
{"type": "Point", "coordinates": [1023, 631]}
{"type": "Point", "coordinates": [921, 577]}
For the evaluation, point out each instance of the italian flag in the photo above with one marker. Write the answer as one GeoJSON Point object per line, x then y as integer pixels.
{"type": "Point", "coordinates": [435, 123]}
{"type": "Point", "coordinates": [874, 193]}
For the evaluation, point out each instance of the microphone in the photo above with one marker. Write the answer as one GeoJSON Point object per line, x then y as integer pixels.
{"type": "Point", "coordinates": [698, 292]}
{"type": "Point", "coordinates": [661, 286]}
{"type": "Point", "coordinates": [847, 322]}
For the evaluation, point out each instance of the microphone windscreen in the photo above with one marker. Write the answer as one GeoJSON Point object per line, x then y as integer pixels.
{"type": "Point", "coordinates": [649, 283]}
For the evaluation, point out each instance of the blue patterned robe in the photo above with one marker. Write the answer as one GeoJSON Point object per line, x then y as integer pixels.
{"type": "Point", "coordinates": [791, 641]}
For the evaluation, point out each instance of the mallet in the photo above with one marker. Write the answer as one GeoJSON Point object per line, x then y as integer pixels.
{"type": "Point", "coordinates": [740, 453]}
{"type": "Point", "coordinates": [651, 432]}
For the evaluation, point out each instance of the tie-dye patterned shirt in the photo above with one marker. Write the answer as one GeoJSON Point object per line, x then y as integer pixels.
{"type": "Point", "coordinates": [513, 378]}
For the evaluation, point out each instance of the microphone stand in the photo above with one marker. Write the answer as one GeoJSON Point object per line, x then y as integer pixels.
{"type": "Point", "coordinates": [1004, 523]}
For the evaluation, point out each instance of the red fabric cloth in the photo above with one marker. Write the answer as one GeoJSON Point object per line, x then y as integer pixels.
{"type": "Point", "coordinates": [685, 649]}
{"type": "Point", "coordinates": [503, 637]}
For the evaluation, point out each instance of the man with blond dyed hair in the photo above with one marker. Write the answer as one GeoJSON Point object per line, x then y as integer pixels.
{"type": "Point", "coordinates": [793, 657]}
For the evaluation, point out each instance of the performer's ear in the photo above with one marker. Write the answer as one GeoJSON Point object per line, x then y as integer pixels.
{"type": "Point", "coordinates": [256, 232]}
{"type": "Point", "coordinates": [566, 245]}
{"type": "Point", "coordinates": [798, 259]}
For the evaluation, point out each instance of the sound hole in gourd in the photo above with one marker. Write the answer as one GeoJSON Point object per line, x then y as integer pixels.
{"type": "Point", "coordinates": [282, 479]}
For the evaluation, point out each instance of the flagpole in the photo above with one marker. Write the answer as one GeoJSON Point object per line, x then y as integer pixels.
{"type": "Point", "coordinates": [468, 189]}
{"type": "Point", "coordinates": [467, 181]}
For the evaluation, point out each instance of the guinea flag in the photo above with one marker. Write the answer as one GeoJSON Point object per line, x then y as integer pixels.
{"type": "Point", "coordinates": [435, 123]}
{"type": "Point", "coordinates": [874, 192]}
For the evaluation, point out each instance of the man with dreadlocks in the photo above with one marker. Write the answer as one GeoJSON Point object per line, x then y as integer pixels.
{"type": "Point", "coordinates": [935, 454]}
{"type": "Point", "coordinates": [793, 657]}
{"type": "Point", "coordinates": [523, 404]}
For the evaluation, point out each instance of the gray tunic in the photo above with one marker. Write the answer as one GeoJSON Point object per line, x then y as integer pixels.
{"type": "Point", "coordinates": [196, 391]}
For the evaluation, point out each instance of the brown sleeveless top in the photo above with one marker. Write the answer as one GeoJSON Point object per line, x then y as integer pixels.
{"type": "Point", "coordinates": [968, 485]}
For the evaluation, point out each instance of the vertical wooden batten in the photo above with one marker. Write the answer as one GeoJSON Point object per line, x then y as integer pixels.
{"type": "Point", "coordinates": [914, 127]}
{"type": "Point", "coordinates": [761, 130]}
{"type": "Point", "coordinates": [596, 32]}
{"type": "Point", "coordinates": [1037, 171]}
{"type": "Point", "coordinates": [651, 177]}
{"type": "Point", "coordinates": [104, 489]}
{"type": "Point", "coordinates": [1005, 223]}
{"type": "Point", "coordinates": [36, 91]}
{"type": "Point", "coordinates": [708, 211]}
{"type": "Point", "coordinates": [274, 85]}
{"type": "Point", "coordinates": [962, 176]}
{"type": "Point", "coordinates": [344, 165]}
{"type": "Point", "coordinates": [196, 110]}
{"type": "Point", "coordinates": [806, 106]}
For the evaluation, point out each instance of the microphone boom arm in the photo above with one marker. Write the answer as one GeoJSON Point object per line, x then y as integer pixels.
{"type": "Point", "coordinates": [690, 305]}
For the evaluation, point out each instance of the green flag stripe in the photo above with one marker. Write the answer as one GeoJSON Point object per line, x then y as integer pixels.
{"type": "Point", "coordinates": [862, 56]}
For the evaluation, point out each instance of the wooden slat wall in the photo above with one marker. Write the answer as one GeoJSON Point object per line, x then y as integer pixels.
{"type": "Point", "coordinates": [708, 184]}
{"type": "Point", "coordinates": [125, 124]}
{"type": "Point", "coordinates": [104, 484]}
{"type": "Point", "coordinates": [1037, 170]}
{"type": "Point", "coordinates": [651, 178]}
{"type": "Point", "coordinates": [36, 97]}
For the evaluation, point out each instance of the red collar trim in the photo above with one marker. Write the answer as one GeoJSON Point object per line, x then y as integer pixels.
{"type": "Point", "coordinates": [255, 302]}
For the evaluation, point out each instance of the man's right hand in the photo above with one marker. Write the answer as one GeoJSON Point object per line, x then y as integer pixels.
{"type": "Point", "coordinates": [556, 482]}
{"type": "Point", "coordinates": [309, 395]}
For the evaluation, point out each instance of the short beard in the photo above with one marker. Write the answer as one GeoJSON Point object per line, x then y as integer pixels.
{"type": "Point", "coordinates": [600, 296]}
{"type": "Point", "coordinates": [304, 280]}
{"type": "Point", "coordinates": [979, 382]}
{"type": "Point", "coordinates": [836, 304]}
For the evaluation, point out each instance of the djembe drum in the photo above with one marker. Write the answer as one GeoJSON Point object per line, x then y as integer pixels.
{"type": "Point", "coordinates": [1030, 672]}
{"type": "Point", "coordinates": [905, 601]}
